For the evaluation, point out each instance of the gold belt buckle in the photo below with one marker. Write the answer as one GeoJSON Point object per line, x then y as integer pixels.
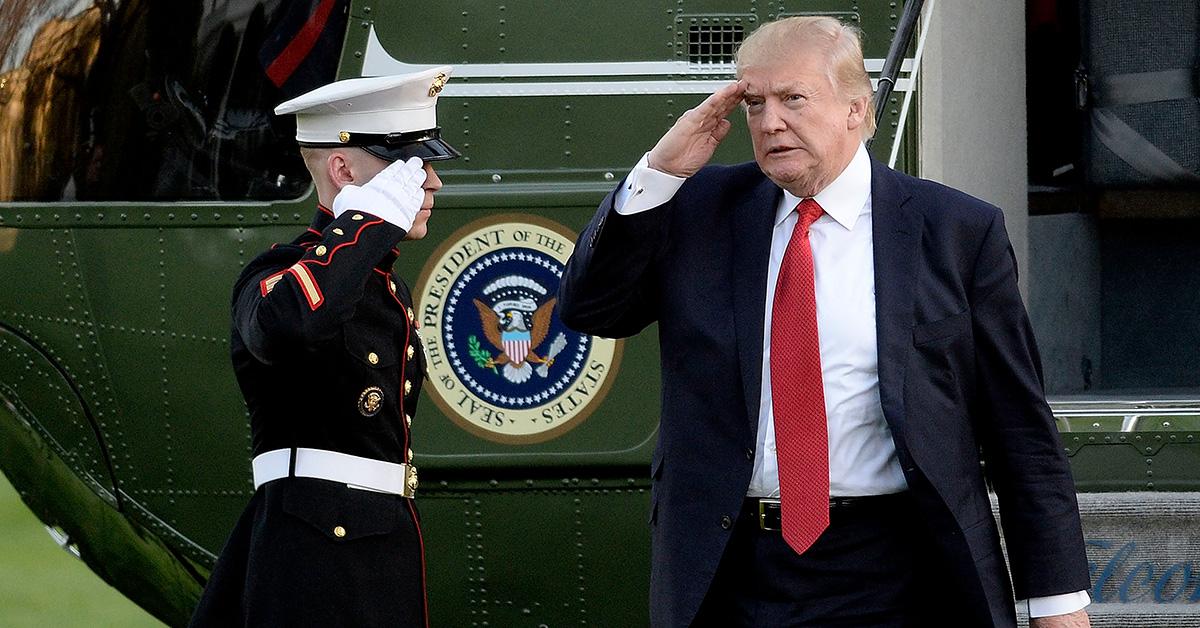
{"type": "Point", "coordinates": [410, 482]}
{"type": "Point", "coordinates": [763, 502]}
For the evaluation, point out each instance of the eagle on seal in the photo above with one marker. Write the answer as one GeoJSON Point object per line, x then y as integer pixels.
{"type": "Point", "coordinates": [516, 332]}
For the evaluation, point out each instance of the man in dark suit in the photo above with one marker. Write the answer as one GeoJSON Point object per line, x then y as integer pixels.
{"type": "Point", "coordinates": [839, 344]}
{"type": "Point", "coordinates": [327, 353]}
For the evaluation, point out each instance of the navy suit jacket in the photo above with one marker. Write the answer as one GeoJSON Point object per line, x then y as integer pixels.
{"type": "Point", "coordinates": [959, 378]}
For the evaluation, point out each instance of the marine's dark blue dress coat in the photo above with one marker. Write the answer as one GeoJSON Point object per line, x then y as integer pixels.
{"type": "Point", "coordinates": [318, 325]}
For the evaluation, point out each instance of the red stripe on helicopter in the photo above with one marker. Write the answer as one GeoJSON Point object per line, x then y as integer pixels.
{"type": "Point", "coordinates": [293, 55]}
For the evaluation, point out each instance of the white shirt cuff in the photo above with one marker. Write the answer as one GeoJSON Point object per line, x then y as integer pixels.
{"type": "Point", "coordinates": [1057, 604]}
{"type": "Point", "coordinates": [645, 188]}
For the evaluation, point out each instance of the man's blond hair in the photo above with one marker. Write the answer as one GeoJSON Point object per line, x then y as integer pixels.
{"type": "Point", "coordinates": [840, 42]}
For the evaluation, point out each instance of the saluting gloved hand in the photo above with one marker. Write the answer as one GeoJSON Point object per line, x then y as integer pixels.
{"type": "Point", "coordinates": [395, 194]}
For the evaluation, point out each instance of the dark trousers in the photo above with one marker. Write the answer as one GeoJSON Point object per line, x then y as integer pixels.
{"type": "Point", "coordinates": [873, 566]}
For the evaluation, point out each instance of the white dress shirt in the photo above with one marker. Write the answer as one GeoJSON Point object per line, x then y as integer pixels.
{"type": "Point", "coordinates": [862, 454]}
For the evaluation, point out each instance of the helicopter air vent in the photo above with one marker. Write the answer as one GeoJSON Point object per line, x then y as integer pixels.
{"type": "Point", "coordinates": [712, 44]}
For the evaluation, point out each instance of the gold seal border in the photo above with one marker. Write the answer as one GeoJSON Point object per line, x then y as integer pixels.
{"type": "Point", "coordinates": [455, 239]}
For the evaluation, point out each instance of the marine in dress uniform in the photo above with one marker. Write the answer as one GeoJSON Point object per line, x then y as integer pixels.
{"type": "Point", "coordinates": [327, 354]}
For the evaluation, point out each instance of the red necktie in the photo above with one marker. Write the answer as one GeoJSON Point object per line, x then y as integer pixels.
{"type": "Point", "coordinates": [797, 392]}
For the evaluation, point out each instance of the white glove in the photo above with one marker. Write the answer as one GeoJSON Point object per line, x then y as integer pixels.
{"type": "Point", "coordinates": [395, 194]}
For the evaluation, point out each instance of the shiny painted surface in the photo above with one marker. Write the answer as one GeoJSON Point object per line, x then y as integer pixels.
{"type": "Point", "coordinates": [121, 420]}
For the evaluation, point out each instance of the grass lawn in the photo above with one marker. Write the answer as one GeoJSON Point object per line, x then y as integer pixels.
{"type": "Point", "coordinates": [42, 585]}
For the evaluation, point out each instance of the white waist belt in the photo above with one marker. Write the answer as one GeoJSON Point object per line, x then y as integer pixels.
{"type": "Point", "coordinates": [354, 471]}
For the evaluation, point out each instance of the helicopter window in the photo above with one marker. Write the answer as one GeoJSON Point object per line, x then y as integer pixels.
{"type": "Point", "coordinates": [1113, 245]}
{"type": "Point", "coordinates": [134, 100]}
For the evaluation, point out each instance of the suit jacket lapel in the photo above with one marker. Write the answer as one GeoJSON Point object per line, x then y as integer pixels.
{"type": "Point", "coordinates": [896, 241]}
{"type": "Point", "coordinates": [754, 220]}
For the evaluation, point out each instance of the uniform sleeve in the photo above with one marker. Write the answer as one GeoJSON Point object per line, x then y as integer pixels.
{"type": "Point", "coordinates": [280, 308]}
{"type": "Point", "coordinates": [1024, 456]}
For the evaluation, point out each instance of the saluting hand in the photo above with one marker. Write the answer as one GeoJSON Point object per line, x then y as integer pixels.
{"type": "Point", "coordinates": [395, 194]}
{"type": "Point", "coordinates": [692, 140]}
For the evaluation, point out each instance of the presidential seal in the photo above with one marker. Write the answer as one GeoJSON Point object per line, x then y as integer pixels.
{"type": "Point", "coordinates": [501, 363]}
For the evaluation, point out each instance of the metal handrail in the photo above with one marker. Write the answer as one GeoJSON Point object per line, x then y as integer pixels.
{"type": "Point", "coordinates": [895, 57]}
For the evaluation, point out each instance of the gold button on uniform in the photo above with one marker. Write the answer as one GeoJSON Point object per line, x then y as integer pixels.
{"type": "Point", "coordinates": [407, 387]}
{"type": "Point", "coordinates": [339, 231]}
{"type": "Point", "coordinates": [391, 285]}
{"type": "Point", "coordinates": [408, 420]}
{"type": "Point", "coordinates": [339, 531]}
{"type": "Point", "coordinates": [373, 358]}
{"type": "Point", "coordinates": [321, 250]}
{"type": "Point", "coordinates": [356, 217]}
{"type": "Point", "coordinates": [411, 352]}
{"type": "Point", "coordinates": [410, 455]}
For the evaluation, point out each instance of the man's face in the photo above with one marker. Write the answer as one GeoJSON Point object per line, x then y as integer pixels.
{"type": "Point", "coordinates": [372, 165]}
{"type": "Point", "coordinates": [803, 129]}
{"type": "Point", "coordinates": [420, 224]}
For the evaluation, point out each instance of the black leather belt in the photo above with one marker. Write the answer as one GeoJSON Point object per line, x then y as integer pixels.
{"type": "Point", "coordinates": [766, 510]}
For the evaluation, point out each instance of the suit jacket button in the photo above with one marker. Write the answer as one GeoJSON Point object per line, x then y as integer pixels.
{"type": "Point", "coordinates": [373, 357]}
{"type": "Point", "coordinates": [410, 352]}
{"type": "Point", "coordinates": [726, 522]}
{"type": "Point", "coordinates": [339, 531]}
{"type": "Point", "coordinates": [749, 454]}
{"type": "Point", "coordinates": [408, 420]}
{"type": "Point", "coordinates": [407, 388]}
